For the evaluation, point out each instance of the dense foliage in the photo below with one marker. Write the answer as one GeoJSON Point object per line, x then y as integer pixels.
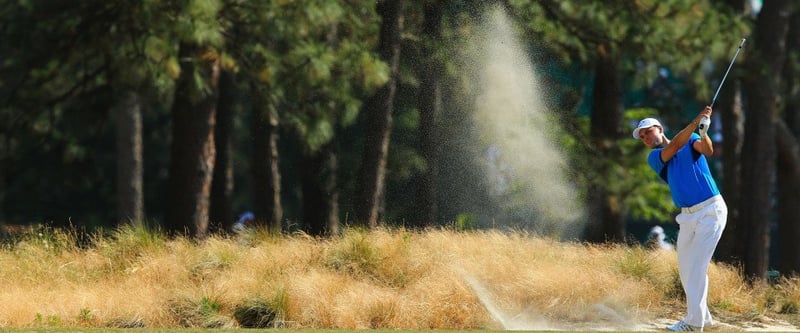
{"type": "Point", "coordinates": [312, 64]}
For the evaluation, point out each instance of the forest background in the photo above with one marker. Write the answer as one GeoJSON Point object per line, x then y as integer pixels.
{"type": "Point", "coordinates": [320, 114]}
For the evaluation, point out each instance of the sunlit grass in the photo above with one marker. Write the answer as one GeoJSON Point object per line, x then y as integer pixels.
{"type": "Point", "coordinates": [386, 278]}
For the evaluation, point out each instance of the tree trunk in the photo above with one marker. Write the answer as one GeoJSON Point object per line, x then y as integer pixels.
{"type": "Point", "coordinates": [732, 118]}
{"type": "Point", "coordinates": [4, 162]}
{"type": "Point", "coordinates": [761, 84]}
{"type": "Point", "coordinates": [788, 178]}
{"type": "Point", "coordinates": [130, 165]}
{"type": "Point", "coordinates": [607, 223]}
{"type": "Point", "coordinates": [192, 151]}
{"type": "Point", "coordinates": [320, 193]}
{"type": "Point", "coordinates": [267, 208]}
{"type": "Point", "coordinates": [221, 207]}
{"type": "Point", "coordinates": [429, 101]}
{"type": "Point", "coordinates": [788, 164]}
{"type": "Point", "coordinates": [378, 112]}
{"type": "Point", "coordinates": [730, 107]}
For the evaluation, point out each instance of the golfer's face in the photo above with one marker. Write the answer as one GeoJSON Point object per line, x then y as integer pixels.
{"type": "Point", "coordinates": [651, 136]}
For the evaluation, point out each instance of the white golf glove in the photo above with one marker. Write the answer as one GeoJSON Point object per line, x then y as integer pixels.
{"type": "Point", "coordinates": [705, 123]}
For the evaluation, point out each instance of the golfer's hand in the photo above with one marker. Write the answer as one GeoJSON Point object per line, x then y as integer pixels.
{"type": "Point", "coordinates": [704, 121]}
{"type": "Point", "coordinates": [705, 113]}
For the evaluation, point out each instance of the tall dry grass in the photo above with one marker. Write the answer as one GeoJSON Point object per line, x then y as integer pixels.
{"type": "Point", "coordinates": [436, 279]}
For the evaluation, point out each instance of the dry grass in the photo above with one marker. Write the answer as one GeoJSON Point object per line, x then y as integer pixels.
{"type": "Point", "coordinates": [437, 279]}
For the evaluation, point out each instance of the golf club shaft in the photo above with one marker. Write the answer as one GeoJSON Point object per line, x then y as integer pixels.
{"type": "Point", "coordinates": [714, 100]}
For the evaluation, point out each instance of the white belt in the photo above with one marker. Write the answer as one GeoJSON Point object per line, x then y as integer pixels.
{"type": "Point", "coordinates": [698, 207]}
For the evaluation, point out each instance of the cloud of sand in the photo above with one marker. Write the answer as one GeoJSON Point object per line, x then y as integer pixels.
{"type": "Point", "coordinates": [527, 171]}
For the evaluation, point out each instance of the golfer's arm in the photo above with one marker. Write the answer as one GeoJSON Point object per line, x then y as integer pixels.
{"type": "Point", "coordinates": [679, 140]}
{"type": "Point", "coordinates": [704, 146]}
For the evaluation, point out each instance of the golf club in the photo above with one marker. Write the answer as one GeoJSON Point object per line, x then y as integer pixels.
{"type": "Point", "coordinates": [705, 121]}
{"type": "Point", "coordinates": [714, 100]}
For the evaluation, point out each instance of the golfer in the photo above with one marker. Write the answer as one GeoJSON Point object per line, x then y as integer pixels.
{"type": "Point", "coordinates": [681, 162]}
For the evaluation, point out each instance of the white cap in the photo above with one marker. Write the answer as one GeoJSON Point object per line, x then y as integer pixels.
{"type": "Point", "coordinates": [645, 123]}
{"type": "Point", "coordinates": [657, 230]}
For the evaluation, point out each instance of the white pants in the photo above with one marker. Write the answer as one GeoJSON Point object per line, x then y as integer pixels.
{"type": "Point", "coordinates": [701, 227]}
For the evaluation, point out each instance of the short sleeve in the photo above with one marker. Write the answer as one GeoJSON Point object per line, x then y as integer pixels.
{"type": "Point", "coordinates": [654, 159]}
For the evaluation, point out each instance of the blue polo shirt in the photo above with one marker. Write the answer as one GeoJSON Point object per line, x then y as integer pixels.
{"type": "Point", "coordinates": [687, 174]}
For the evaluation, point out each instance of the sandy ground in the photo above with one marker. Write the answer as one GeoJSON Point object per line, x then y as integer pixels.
{"type": "Point", "coordinates": [762, 324]}
{"type": "Point", "coordinates": [604, 318]}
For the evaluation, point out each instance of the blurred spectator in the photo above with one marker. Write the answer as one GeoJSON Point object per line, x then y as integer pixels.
{"type": "Point", "coordinates": [658, 239]}
{"type": "Point", "coordinates": [244, 221]}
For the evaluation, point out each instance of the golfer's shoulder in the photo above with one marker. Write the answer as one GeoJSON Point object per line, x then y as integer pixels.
{"type": "Point", "coordinates": [654, 157]}
{"type": "Point", "coordinates": [654, 153]}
